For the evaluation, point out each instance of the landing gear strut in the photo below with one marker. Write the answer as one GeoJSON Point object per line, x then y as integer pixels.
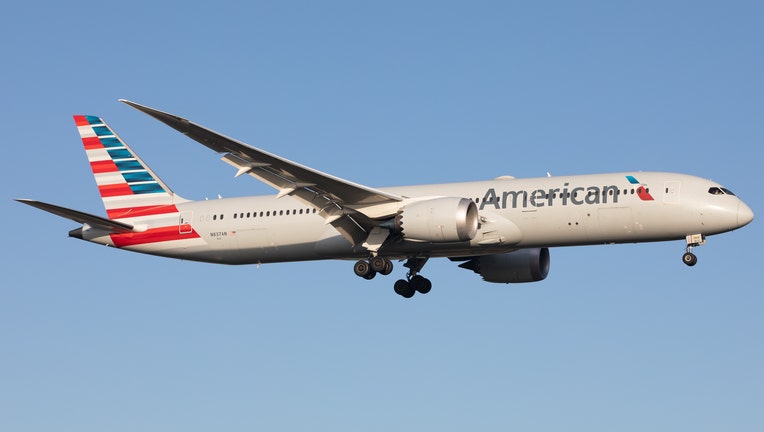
{"type": "Point", "coordinates": [694, 240]}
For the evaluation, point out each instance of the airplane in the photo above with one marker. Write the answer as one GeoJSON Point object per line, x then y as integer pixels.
{"type": "Point", "coordinates": [501, 229]}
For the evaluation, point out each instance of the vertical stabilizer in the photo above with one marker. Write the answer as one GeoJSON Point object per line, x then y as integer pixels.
{"type": "Point", "coordinates": [127, 186]}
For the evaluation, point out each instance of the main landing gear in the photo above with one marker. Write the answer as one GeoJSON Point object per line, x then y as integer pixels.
{"type": "Point", "coordinates": [694, 240]}
{"type": "Point", "coordinates": [406, 288]}
{"type": "Point", "coordinates": [369, 269]}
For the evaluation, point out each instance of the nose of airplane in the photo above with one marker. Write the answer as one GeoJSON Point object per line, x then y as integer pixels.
{"type": "Point", "coordinates": [744, 214]}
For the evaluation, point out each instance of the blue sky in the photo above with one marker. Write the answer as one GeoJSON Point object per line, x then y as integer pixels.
{"type": "Point", "coordinates": [385, 93]}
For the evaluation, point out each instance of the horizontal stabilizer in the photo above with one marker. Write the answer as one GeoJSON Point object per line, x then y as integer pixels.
{"type": "Point", "coordinates": [78, 216]}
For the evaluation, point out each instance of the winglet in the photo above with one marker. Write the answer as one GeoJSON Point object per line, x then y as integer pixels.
{"type": "Point", "coordinates": [178, 123]}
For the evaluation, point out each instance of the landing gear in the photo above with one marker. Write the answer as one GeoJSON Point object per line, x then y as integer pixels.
{"type": "Point", "coordinates": [369, 269]}
{"type": "Point", "coordinates": [363, 269]}
{"type": "Point", "coordinates": [417, 284]}
{"type": "Point", "coordinates": [403, 288]}
{"type": "Point", "coordinates": [381, 265]}
{"type": "Point", "coordinates": [414, 282]}
{"type": "Point", "coordinates": [694, 240]}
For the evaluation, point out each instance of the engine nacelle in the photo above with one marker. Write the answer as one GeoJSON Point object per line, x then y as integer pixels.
{"type": "Point", "coordinates": [524, 265]}
{"type": "Point", "coordinates": [439, 220]}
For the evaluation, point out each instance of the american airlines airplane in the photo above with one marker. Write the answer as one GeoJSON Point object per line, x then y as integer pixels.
{"type": "Point", "coordinates": [501, 229]}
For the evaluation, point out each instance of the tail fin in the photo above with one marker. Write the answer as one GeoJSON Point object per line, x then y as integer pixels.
{"type": "Point", "coordinates": [127, 185]}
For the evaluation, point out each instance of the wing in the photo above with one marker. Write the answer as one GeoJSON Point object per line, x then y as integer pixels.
{"type": "Point", "coordinates": [353, 209]}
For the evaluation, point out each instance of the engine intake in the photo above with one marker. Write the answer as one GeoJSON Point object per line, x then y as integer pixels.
{"type": "Point", "coordinates": [524, 265]}
{"type": "Point", "coordinates": [438, 220]}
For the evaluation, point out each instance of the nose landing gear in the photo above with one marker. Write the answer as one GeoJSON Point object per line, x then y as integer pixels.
{"type": "Point", "coordinates": [693, 240]}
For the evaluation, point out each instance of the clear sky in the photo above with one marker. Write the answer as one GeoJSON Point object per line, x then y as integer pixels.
{"type": "Point", "coordinates": [620, 338]}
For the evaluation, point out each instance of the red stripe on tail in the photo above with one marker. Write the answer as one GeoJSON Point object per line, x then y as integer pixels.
{"type": "Point", "coordinates": [103, 166]}
{"type": "Point", "coordinates": [92, 143]}
{"type": "Point", "coordinates": [113, 190]}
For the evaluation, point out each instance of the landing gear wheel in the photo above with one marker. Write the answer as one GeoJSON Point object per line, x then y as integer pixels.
{"type": "Point", "coordinates": [403, 288]}
{"type": "Point", "coordinates": [378, 264]}
{"type": "Point", "coordinates": [388, 268]}
{"type": "Point", "coordinates": [689, 258]}
{"type": "Point", "coordinates": [363, 269]}
{"type": "Point", "coordinates": [420, 284]}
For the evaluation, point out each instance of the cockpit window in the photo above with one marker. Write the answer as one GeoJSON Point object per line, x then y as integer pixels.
{"type": "Point", "coordinates": [716, 191]}
{"type": "Point", "coordinates": [720, 191]}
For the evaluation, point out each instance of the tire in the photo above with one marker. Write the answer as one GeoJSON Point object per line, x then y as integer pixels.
{"type": "Point", "coordinates": [421, 284]}
{"type": "Point", "coordinates": [361, 268]}
{"type": "Point", "coordinates": [403, 288]}
{"type": "Point", "coordinates": [690, 259]}
{"type": "Point", "coordinates": [388, 268]}
{"type": "Point", "coordinates": [378, 264]}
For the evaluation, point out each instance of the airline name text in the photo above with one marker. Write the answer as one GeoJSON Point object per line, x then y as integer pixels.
{"type": "Point", "coordinates": [549, 197]}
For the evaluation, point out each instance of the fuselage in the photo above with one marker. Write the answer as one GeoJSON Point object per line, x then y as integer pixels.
{"type": "Point", "coordinates": [501, 229]}
{"type": "Point", "coordinates": [514, 214]}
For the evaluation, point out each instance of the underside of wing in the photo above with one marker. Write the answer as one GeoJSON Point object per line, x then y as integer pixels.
{"type": "Point", "coordinates": [353, 209]}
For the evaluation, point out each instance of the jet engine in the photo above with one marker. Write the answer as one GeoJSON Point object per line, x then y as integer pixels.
{"type": "Point", "coordinates": [524, 265]}
{"type": "Point", "coordinates": [438, 220]}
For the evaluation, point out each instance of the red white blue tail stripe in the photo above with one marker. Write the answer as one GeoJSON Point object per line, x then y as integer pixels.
{"type": "Point", "coordinates": [127, 186]}
{"type": "Point", "coordinates": [130, 191]}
